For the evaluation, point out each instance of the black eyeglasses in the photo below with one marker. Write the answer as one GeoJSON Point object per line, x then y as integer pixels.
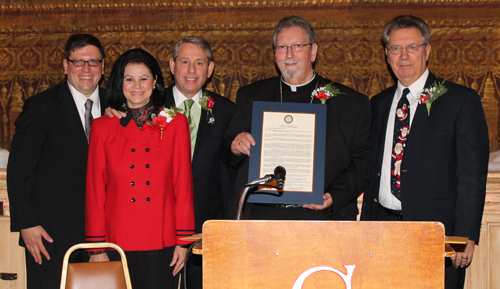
{"type": "Point", "coordinates": [81, 63]}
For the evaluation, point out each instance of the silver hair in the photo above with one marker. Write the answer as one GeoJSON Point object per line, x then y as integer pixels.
{"type": "Point", "coordinates": [295, 21]}
{"type": "Point", "coordinates": [198, 41]}
{"type": "Point", "coordinates": [406, 21]}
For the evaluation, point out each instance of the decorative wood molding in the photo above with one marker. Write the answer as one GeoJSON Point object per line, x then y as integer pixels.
{"type": "Point", "coordinates": [465, 42]}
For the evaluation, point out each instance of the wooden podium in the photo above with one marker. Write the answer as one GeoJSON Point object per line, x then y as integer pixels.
{"type": "Point", "coordinates": [322, 254]}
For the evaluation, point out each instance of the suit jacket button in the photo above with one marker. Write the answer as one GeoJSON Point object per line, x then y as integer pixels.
{"type": "Point", "coordinates": [148, 199]}
{"type": "Point", "coordinates": [378, 174]}
{"type": "Point", "coordinates": [147, 150]}
{"type": "Point", "coordinates": [147, 166]}
{"type": "Point", "coordinates": [147, 183]}
{"type": "Point", "coordinates": [132, 183]}
{"type": "Point", "coordinates": [375, 200]}
{"type": "Point", "coordinates": [131, 166]}
{"type": "Point", "coordinates": [133, 150]}
{"type": "Point", "coordinates": [133, 200]}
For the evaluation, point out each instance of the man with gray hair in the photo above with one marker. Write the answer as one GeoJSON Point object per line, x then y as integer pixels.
{"type": "Point", "coordinates": [440, 128]}
{"type": "Point", "coordinates": [347, 128]}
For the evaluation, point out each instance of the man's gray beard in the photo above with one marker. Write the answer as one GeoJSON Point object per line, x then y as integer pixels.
{"type": "Point", "coordinates": [290, 74]}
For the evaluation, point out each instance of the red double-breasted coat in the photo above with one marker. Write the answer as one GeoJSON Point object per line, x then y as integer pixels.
{"type": "Point", "coordinates": [139, 184]}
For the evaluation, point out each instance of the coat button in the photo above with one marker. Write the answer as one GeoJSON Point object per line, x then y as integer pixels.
{"type": "Point", "coordinates": [131, 166]}
{"type": "Point", "coordinates": [132, 183]}
{"type": "Point", "coordinates": [133, 200]}
{"type": "Point", "coordinates": [147, 150]}
{"type": "Point", "coordinates": [147, 166]}
{"type": "Point", "coordinates": [133, 150]}
{"type": "Point", "coordinates": [378, 174]}
{"type": "Point", "coordinates": [147, 183]}
{"type": "Point", "coordinates": [148, 199]}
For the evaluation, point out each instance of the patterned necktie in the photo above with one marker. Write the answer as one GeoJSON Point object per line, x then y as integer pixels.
{"type": "Point", "coordinates": [88, 117]}
{"type": "Point", "coordinates": [188, 103]}
{"type": "Point", "coordinates": [401, 131]}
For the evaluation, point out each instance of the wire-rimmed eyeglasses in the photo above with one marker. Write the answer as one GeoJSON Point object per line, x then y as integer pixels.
{"type": "Point", "coordinates": [410, 49]}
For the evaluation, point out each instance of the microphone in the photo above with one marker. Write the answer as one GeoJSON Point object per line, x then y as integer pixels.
{"type": "Point", "coordinates": [280, 176]}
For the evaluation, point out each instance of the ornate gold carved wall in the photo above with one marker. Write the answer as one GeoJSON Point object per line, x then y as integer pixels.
{"type": "Point", "coordinates": [465, 42]}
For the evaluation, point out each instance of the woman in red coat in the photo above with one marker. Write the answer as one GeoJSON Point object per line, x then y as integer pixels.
{"type": "Point", "coordinates": [139, 182]}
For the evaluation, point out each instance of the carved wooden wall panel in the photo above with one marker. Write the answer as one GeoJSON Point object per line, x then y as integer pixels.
{"type": "Point", "coordinates": [465, 42]}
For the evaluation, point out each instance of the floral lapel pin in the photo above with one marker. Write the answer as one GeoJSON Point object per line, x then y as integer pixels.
{"type": "Point", "coordinates": [160, 121]}
{"type": "Point", "coordinates": [207, 103]}
{"type": "Point", "coordinates": [431, 94]}
{"type": "Point", "coordinates": [325, 92]}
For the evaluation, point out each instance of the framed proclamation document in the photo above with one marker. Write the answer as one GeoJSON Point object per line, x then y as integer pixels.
{"type": "Point", "coordinates": [291, 135]}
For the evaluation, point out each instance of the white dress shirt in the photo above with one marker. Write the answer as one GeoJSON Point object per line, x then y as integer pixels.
{"type": "Point", "coordinates": [80, 100]}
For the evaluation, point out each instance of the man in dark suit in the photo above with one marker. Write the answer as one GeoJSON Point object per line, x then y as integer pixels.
{"type": "Point", "coordinates": [434, 166]}
{"type": "Point", "coordinates": [213, 182]}
{"type": "Point", "coordinates": [347, 128]}
{"type": "Point", "coordinates": [48, 162]}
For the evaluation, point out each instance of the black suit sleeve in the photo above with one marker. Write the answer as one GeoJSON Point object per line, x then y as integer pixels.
{"type": "Point", "coordinates": [242, 114]}
{"type": "Point", "coordinates": [351, 181]}
{"type": "Point", "coordinates": [27, 145]}
{"type": "Point", "coordinates": [472, 149]}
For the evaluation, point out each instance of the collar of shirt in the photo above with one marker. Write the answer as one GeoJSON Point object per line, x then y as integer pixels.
{"type": "Point", "coordinates": [294, 87]}
{"type": "Point", "coordinates": [80, 100]}
{"type": "Point", "coordinates": [179, 98]}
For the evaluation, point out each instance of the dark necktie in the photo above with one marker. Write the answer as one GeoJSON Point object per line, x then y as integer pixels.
{"type": "Point", "coordinates": [401, 131]}
{"type": "Point", "coordinates": [88, 117]}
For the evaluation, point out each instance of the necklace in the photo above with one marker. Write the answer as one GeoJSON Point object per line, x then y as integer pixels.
{"type": "Point", "coordinates": [281, 88]}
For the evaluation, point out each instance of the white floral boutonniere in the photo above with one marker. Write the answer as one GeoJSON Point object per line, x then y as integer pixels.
{"type": "Point", "coordinates": [325, 92]}
{"type": "Point", "coordinates": [159, 121]}
{"type": "Point", "coordinates": [431, 94]}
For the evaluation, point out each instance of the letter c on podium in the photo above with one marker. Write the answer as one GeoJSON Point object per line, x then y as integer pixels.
{"type": "Point", "coordinates": [347, 278]}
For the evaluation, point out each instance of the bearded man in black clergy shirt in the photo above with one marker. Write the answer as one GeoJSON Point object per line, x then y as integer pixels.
{"type": "Point", "coordinates": [347, 158]}
{"type": "Point", "coordinates": [442, 174]}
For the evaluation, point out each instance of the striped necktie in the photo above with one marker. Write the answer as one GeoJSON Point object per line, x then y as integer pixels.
{"type": "Point", "coordinates": [188, 103]}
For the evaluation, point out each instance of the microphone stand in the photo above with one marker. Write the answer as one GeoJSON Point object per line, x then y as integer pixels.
{"type": "Point", "coordinates": [279, 177]}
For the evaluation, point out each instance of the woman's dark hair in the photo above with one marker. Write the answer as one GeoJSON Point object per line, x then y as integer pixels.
{"type": "Point", "coordinates": [114, 89]}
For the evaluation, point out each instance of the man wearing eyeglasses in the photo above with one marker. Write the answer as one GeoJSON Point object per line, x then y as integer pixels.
{"type": "Point", "coordinates": [430, 146]}
{"type": "Point", "coordinates": [48, 162]}
{"type": "Point", "coordinates": [347, 128]}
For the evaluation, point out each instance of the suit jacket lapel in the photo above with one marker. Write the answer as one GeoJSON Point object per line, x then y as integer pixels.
{"type": "Point", "coordinates": [204, 128]}
{"type": "Point", "coordinates": [421, 116]}
{"type": "Point", "coordinates": [102, 100]}
{"type": "Point", "coordinates": [68, 109]}
{"type": "Point", "coordinates": [169, 101]}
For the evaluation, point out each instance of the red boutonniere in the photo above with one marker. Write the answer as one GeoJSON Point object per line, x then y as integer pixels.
{"type": "Point", "coordinates": [160, 121]}
{"type": "Point", "coordinates": [207, 103]}
{"type": "Point", "coordinates": [325, 92]}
